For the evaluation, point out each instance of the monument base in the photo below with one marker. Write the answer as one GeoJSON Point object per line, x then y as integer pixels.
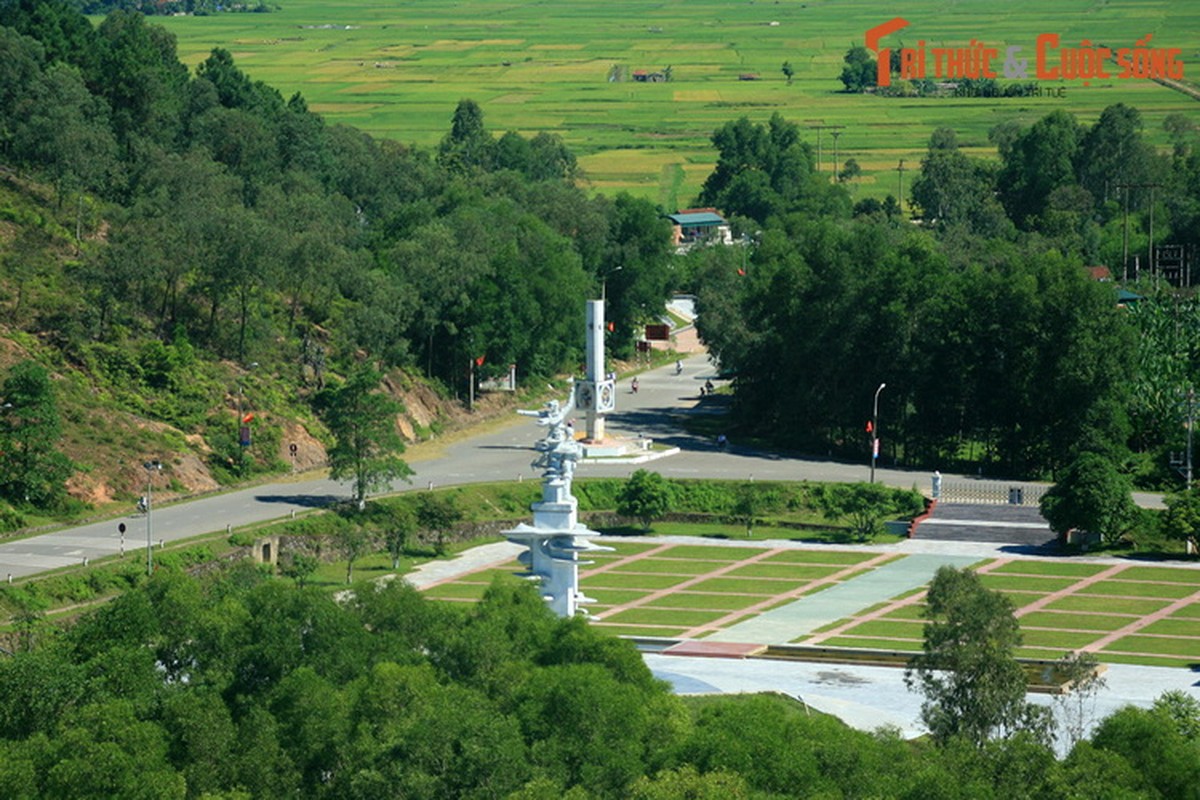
{"type": "Point", "coordinates": [615, 447]}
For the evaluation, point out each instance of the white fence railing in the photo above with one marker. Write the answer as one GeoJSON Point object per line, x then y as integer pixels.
{"type": "Point", "coordinates": [988, 492]}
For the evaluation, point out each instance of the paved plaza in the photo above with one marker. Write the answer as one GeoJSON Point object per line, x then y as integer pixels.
{"type": "Point", "coordinates": [715, 595]}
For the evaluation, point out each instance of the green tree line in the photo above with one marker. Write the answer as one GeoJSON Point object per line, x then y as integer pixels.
{"type": "Point", "coordinates": [239, 685]}
{"type": "Point", "coordinates": [998, 348]}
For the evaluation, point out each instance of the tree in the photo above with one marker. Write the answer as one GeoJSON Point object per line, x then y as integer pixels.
{"type": "Point", "coordinates": [973, 686]}
{"type": "Point", "coordinates": [300, 567]}
{"type": "Point", "coordinates": [748, 505]}
{"type": "Point", "coordinates": [352, 541]}
{"type": "Point", "coordinates": [468, 147]}
{"type": "Point", "coordinates": [1039, 161]}
{"type": "Point", "coordinates": [950, 189]}
{"type": "Point", "coordinates": [788, 71]}
{"type": "Point", "coordinates": [366, 443]}
{"type": "Point", "coordinates": [1182, 520]}
{"type": "Point", "coordinates": [860, 505]}
{"type": "Point", "coordinates": [66, 132]}
{"type": "Point", "coordinates": [436, 515]}
{"type": "Point", "coordinates": [860, 73]}
{"type": "Point", "coordinates": [32, 470]}
{"type": "Point", "coordinates": [849, 171]}
{"type": "Point", "coordinates": [646, 496]}
{"type": "Point", "coordinates": [1153, 743]}
{"type": "Point", "coordinates": [1091, 496]}
{"type": "Point", "coordinates": [400, 525]}
{"type": "Point", "coordinates": [1080, 673]}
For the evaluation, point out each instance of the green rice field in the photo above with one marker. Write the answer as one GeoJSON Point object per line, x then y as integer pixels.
{"type": "Point", "coordinates": [397, 70]}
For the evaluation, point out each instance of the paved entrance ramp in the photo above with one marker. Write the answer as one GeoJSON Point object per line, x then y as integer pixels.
{"type": "Point", "coordinates": [802, 617]}
{"type": "Point", "coordinates": [994, 524]}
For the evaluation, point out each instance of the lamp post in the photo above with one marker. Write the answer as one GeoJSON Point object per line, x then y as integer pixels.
{"type": "Point", "coordinates": [151, 468]}
{"type": "Point", "coordinates": [875, 431]}
{"type": "Point", "coordinates": [604, 282]}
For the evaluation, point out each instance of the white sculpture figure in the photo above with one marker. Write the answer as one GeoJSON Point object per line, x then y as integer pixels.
{"type": "Point", "coordinates": [556, 538]}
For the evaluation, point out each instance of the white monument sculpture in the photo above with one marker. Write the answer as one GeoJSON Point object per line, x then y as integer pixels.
{"type": "Point", "coordinates": [596, 394]}
{"type": "Point", "coordinates": [556, 537]}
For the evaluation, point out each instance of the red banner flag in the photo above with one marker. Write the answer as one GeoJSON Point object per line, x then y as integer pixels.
{"type": "Point", "coordinates": [248, 417]}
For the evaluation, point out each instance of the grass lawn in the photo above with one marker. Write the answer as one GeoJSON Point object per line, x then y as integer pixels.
{"type": "Point", "coordinates": [785, 571]}
{"type": "Point", "coordinates": [715, 553]}
{"type": "Point", "coordinates": [1111, 605]}
{"type": "Point", "coordinates": [1172, 591]}
{"type": "Point", "coordinates": [839, 557]}
{"type": "Point", "coordinates": [1064, 639]}
{"type": "Point", "coordinates": [1147, 661]}
{"type": "Point", "coordinates": [655, 616]}
{"type": "Point", "coordinates": [901, 629]}
{"type": "Point", "coordinates": [1188, 612]}
{"type": "Point", "coordinates": [710, 602]}
{"type": "Point", "coordinates": [623, 580]}
{"type": "Point", "coordinates": [869, 643]}
{"type": "Point", "coordinates": [1056, 568]}
{"type": "Point", "coordinates": [739, 586]}
{"type": "Point", "coordinates": [1166, 574]}
{"type": "Point", "coordinates": [622, 549]}
{"type": "Point", "coordinates": [1083, 622]}
{"type": "Point", "coordinates": [1175, 627]}
{"type": "Point", "coordinates": [1158, 645]}
{"type": "Point", "coordinates": [1025, 583]}
{"type": "Point", "coordinates": [777, 579]}
{"type": "Point", "coordinates": [613, 597]}
{"type": "Point", "coordinates": [668, 566]}
{"type": "Point", "coordinates": [664, 631]}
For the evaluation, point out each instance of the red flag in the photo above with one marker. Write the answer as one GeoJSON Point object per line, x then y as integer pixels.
{"type": "Point", "coordinates": [479, 361]}
{"type": "Point", "coordinates": [870, 427]}
{"type": "Point", "coordinates": [612, 327]}
{"type": "Point", "coordinates": [741, 272]}
{"type": "Point", "coordinates": [248, 417]}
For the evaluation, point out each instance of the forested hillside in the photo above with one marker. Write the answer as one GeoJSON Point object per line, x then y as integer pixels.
{"type": "Point", "coordinates": [177, 247]}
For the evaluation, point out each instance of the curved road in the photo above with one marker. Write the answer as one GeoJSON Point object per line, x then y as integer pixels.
{"type": "Point", "coordinates": [503, 454]}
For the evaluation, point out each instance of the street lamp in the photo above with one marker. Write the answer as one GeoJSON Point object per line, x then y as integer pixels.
{"type": "Point", "coordinates": [875, 431]}
{"type": "Point", "coordinates": [151, 468]}
{"type": "Point", "coordinates": [604, 281]}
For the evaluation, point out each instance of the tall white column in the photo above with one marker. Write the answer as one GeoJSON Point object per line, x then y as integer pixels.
{"type": "Point", "coordinates": [595, 368]}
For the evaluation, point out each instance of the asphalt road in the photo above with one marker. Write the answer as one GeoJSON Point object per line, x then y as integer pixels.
{"type": "Point", "coordinates": [503, 454]}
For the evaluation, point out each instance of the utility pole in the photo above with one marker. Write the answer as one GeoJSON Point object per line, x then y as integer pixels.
{"type": "Point", "coordinates": [835, 134]}
{"type": "Point", "coordinates": [900, 184]}
{"type": "Point", "coordinates": [151, 468]}
{"type": "Point", "coordinates": [1191, 401]}
{"type": "Point", "coordinates": [821, 126]}
{"type": "Point", "coordinates": [1125, 237]}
